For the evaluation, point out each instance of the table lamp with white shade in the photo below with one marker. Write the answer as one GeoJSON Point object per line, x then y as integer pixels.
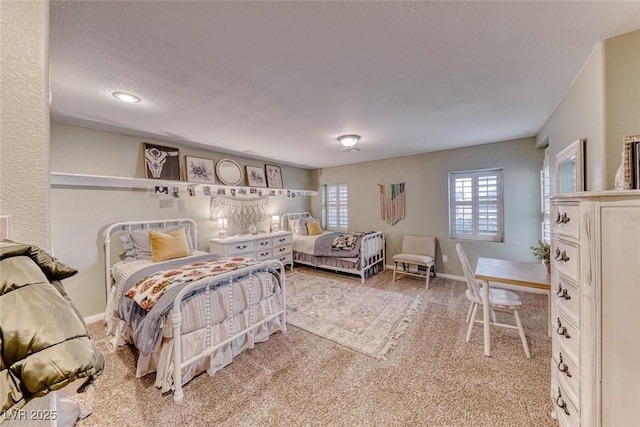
{"type": "Point", "coordinates": [275, 223]}
{"type": "Point", "coordinates": [222, 227]}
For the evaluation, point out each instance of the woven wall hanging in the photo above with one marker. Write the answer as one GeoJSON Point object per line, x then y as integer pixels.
{"type": "Point", "coordinates": [240, 212]}
{"type": "Point", "coordinates": [391, 200]}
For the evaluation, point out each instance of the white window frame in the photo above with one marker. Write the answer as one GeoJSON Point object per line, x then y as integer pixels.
{"type": "Point", "coordinates": [341, 206]}
{"type": "Point", "coordinates": [474, 204]}
{"type": "Point", "coordinates": [545, 192]}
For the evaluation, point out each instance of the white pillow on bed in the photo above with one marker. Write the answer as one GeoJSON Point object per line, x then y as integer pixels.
{"type": "Point", "coordinates": [136, 243]}
{"type": "Point", "coordinates": [294, 225]}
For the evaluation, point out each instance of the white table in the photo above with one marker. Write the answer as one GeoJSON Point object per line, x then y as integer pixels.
{"type": "Point", "coordinates": [527, 274]}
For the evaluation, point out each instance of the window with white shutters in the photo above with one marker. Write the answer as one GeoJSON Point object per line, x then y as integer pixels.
{"type": "Point", "coordinates": [335, 210]}
{"type": "Point", "coordinates": [475, 205]}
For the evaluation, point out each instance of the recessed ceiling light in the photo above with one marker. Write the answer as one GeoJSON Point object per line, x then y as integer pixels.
{"type": "Point", "coordinates": [127, 97]}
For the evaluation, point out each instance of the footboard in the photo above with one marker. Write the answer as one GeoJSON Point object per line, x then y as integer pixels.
{"type": "Point", "coordinates": [372, 253]}
{"type": "Point", "coordinates": [176, 318]}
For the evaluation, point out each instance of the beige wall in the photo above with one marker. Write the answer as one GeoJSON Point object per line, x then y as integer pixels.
{"type": "Point", "coordinates": [622, 62]}
{"type": "Point", "coordinates": [426, 178]}
{"type": "Point", "coordinates": [80, 215]}
{"type": "Point", "coordinates": [601, 106]}
{"type": "Point", "coordinates": [580, 114]}
{"type": "Point", "coordinates": [24, 125]}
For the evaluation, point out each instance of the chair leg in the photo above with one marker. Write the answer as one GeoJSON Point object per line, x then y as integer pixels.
{"type": "Point", "coordinates": [494, 318]}
{"type": "Point", "coordinates": [469, 312]}
{"type": "Point", "coordinates": [394, 271]}
{"type": "Point", "coordinates": [427, 278]}
{"type": "Point", "coordinates": [472, 322]}
{"type": "Point", "coordinates": [522, 336]}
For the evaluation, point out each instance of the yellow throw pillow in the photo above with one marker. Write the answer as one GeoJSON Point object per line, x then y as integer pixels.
{"type": "Point", "coordinates": [313, 227]}
{"type": "Point", "coordinates": [166, 246]}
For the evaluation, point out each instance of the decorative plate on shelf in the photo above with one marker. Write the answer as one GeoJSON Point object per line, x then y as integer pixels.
{"type": "Point", "coordinates": [229, 172]}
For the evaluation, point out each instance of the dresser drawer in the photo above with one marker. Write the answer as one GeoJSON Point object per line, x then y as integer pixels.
{"type": "Point", "coordinates": [241, 247]}
{"type": "Point", "coordinates": [568, 415]}
{"type": "Point", "coordinates": [263, 254]}
{"type": "Point", "coordinates": [566, 221]}
{"type": "Point", "coordinates": [567, 296]}
{"type": "Point", "coordinates": [567, 334]}
{"type": "Point", "coordinates": [282, 240]}
{"type": "Point", "coordinates": [263, 243]}
{"type": "Point", "coordinates": [281, 250]}
{"type": "Point", "coordinates": [286, 259]}
{"type": "Point", "coordinates": [565, 257]}
{"type": "Point", "coordinates": [568, 376]}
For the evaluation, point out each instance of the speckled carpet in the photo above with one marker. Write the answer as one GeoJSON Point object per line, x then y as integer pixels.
{"type": "Point", "coordinates": [432, 378]}
{"type": "Point", "coordinates": [363, 318]}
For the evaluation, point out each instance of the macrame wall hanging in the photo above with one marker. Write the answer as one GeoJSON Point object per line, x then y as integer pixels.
{"type": "Point", "coordinates": [391, 200]}
{"type": "Point", "coordinates": [240, 212]}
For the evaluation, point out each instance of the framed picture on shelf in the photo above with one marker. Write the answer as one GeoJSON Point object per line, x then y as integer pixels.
{"type": "Point", "coordinates": [256, 177]}
{"type": "Point", "coordinates": [200, 170]}
{"type": "Point", "coordinates": [161, 162]}
{"type": "Point", "coordinates": [274, 176]}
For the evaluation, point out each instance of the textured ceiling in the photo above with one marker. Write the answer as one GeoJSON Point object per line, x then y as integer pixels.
{"type": "Point", "coordinates": [282, 80]}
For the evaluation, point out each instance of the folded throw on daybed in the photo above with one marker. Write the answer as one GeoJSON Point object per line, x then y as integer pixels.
{"type": "Point", "coordinates": [346, 241]}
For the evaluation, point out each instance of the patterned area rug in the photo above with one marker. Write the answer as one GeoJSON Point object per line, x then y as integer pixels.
{"type": "Point", "coordinates": [363, 318]}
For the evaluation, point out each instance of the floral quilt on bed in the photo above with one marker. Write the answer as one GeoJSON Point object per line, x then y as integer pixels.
{"type": "Point", "coordinates": [148, 290]}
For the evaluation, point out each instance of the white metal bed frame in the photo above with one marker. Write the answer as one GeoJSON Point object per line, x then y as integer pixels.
{"type": "Point", "coordinates": [176, 315]}
{"type": "Point", "coordinates": [372, 247]}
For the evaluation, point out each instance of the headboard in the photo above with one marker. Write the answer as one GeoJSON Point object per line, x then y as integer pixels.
{"type": "Point", "coordinates": [284, 219]}
{"type": "Point", "coordinates": [118, 228]}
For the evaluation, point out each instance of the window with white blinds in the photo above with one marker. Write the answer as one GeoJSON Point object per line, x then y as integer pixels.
{"type": "Point", "coordinates": [475, 205]}
{"type": "Point", "coordinates": [335, 210]}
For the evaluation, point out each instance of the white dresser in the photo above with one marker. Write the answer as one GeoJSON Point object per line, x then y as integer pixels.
{"type": "Point", "coordinates": [261, 246]}
{"type": "Point", "coordinates": [595, 365]}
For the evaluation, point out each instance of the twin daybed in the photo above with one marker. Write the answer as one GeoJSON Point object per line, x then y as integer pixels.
{"type": "Point", "coordinates": [355, 253]}
{"type": "Point", "coordinates": [218, 307]}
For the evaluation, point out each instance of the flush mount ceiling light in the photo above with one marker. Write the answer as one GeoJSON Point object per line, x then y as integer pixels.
{"type": "Point", "coordinates": [127, 97]}
{"type": "Point", "coordinates": [349, 140]}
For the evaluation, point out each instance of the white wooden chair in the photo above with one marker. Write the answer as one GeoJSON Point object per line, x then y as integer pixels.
{"type": "Point", "coordinates": [499, 299]}
{"type": "Point", "coordinates": [416, 250]}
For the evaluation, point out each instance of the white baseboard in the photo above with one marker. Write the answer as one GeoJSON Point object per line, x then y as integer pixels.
{"type": "Point", "coordinates": [94, 318]}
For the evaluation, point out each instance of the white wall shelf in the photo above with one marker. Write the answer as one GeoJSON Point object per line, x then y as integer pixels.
{"type": "Point", "coordinates": [61, 179]}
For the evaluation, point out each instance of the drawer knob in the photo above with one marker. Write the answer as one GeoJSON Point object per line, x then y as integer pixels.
{"type": "Point", "coordinates": [241, 247]}
{"type": "Point", "coordinates": [562, 218]}
{"type": "Point", "coordinates": [562, 367]}
{"type": "Point", "coordinates": [561, 403]}
{"type": "Point", "coordinates": [264, 243]}
{"type": "Point", "coordinates": [561, 256]}
{"type": "Point", "coordinates": [563, 293]}
{"type": "Point", "coordinates": [281, 240]}
{"type": "Point", "coordinates": [562, 330]}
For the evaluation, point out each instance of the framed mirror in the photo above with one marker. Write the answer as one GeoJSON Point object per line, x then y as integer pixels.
{"type": "Point", "coordinates": [570, 168]}
{"type": "Point", "coordinates": [229, 172]}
